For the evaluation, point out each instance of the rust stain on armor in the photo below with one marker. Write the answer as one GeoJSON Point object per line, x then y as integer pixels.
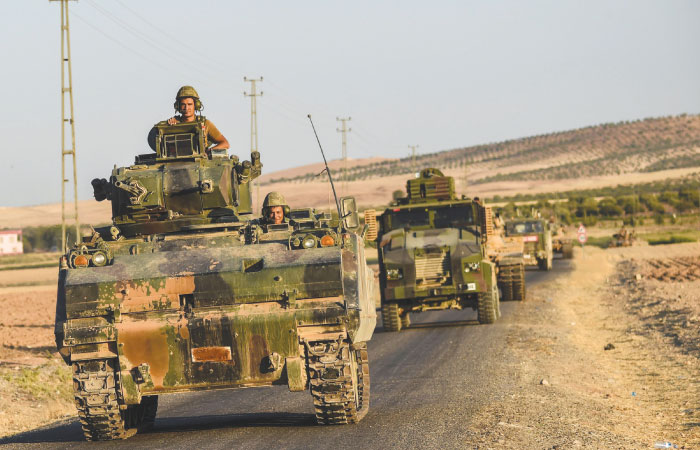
{"type": "Point", "coordinates": [144, 342]}
{"type": "Point", "coordinates": [211, 354]}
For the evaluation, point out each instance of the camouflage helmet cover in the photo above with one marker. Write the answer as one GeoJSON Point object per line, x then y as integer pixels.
{"type": "Point", "coordinates": [274, 199]}
{"type": "Point", "coordinates": [187, 92]}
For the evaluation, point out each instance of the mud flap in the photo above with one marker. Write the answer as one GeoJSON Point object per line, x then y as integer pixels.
{"type": "Point", "coordinates": [296, 374]}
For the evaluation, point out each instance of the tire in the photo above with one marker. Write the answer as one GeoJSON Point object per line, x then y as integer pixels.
{"type": "Point", "coordinates": [489, 308]}
{"type": "Point", "coordinates": [518, 277]}
{"type": "Point", "coordinates": [98, 403]}
{"type": "Point", "coordinates": [405, 320]}
{"type": "Point", "coordinates": [544, 264]}
{"type": "Point", "coordinates": [505, 282]}
{"type": "Point", "coordinates": [390, 317]}
{"type": "Point", "coordinates": [567, 251]}
{"type": "Point", "coordinates": [339, 381]}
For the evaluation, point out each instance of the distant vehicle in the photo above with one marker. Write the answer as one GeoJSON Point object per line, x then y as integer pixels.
{"type": "Point", "coordinates": [186, 291]}
{"type": "Point", "coordinates": [561, 245]}
{"type": "Point", "coordinates": [623, 238]}
{"type": "Point", "coordinates": [431, 254]}
{"type": "Point", "coordinates": [537, 239]}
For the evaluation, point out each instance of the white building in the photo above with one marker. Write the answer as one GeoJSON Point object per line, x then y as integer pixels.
{"type": "Point", "coordinates": [11, 242]}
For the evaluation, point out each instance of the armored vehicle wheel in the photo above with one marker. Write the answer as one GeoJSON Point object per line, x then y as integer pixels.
{"type": "Point", "coordinates": [102, 419]}
{"type": "Point", "coordinates": [405, 320]}
{"type": "Point", "coordinates": [390, 317]}
{"type": "Point", "coordinates": [505, 282]}
{"type": "Point", "coordinates": [339, 380]}
{"type": "Point", "coordinates": [518, 274]}
{"type": "Point", "coordinates": [544, 264]}
{"type": "Point", "coordinates": [567, 250]}
{"type": "Point", "coordinates": [489, 307]}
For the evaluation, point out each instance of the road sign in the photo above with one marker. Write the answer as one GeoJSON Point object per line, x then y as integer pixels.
{"type": "Point", "coordinates": [582, 238]}
{"type": "Point", "coordinates": [581, 230]}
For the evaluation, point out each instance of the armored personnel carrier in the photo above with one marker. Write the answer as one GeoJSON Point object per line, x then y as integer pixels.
{"type": "Point", "coordinates": [185, 292]}
{"type": "Point", "coordinates": [537, 238]}
{"type": "Point", "coordinates": [431, 255]}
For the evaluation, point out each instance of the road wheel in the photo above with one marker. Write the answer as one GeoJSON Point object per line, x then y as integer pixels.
{"type": "Point", "coordinates": [390, 317]}
{"type": "Point", "coordinates": [95, 390]}
{"type": "Point", "coordinates": [505, 280]}
{"type": "Point", "coordinates": [489, 308]}
{"type": "Point", "coordinates": [339, 380]}
{"type": "Point", "coordinates": [542, 263]}
{"type": "Point", "coordinates": [518, 282]}
{"type": "Point", "coordinates": [405, 320]}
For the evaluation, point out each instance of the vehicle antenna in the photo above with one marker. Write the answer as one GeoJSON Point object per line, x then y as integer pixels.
{"type": "Point", "coordinates": [328, 171]}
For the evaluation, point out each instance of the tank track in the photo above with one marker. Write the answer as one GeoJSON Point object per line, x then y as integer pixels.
{"type": "Point", "coordinates": [96, 400]}
{"type": "Point", "coordinates": [102, 418]}
{"type": "Point", "coordinates": [390, 317]}
{"type": "Point", "coordinates": [335, 369]}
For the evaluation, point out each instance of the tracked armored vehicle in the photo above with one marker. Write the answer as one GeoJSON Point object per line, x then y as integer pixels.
{"type": "Point", "coordinates": [537, 238]}
{"type": "Point", "coordinates": [187, 291]}
{"type": "Point", "coordinates": [431, 254]}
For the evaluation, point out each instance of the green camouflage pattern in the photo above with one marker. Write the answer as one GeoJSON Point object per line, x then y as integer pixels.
{"type": "Point", "coordinates": [186, 290]}
{"type": "Point", "coordinates": [537, 239]}
{"type": "Point", "coordinates": [430, 246]}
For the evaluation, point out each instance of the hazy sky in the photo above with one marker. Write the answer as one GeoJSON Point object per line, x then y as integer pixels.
{"type": "Point", "coordinates": [441, 74]}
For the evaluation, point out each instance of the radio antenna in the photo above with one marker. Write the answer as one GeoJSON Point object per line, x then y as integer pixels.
{"type": "Point", "coordinates": [328, 171]}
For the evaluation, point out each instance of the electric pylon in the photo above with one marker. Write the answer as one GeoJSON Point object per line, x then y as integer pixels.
{"type": "Point", "coordinates": [67, 119]}
{"type": "Point", "coordinates": [254, 128]}
{"type": "Point", "coordinates": [413, 157]}
{"type": "Point", "coordinates": [344, 130]}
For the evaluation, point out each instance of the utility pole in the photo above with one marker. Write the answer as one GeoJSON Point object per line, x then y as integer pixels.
{"type": "Point", "coordinates": [254, 128]}
{"type": "Point", "coordinates": [413, 157]}
{"type": "Point", "coordinates": [67, 119]}
{"type": "Point", "coordinates": [344, 130]}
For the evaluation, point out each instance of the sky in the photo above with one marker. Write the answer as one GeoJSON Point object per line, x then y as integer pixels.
{"type": "Point", "coordinates": [439, 74]}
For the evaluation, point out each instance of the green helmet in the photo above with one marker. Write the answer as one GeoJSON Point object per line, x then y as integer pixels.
{"type": "Point", "coordinates": [187, 92]}
{"type": "Point", "coordinates": [274, 199]}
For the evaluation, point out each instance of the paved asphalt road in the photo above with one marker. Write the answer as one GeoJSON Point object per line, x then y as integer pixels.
{"type": "Point", "coordinates": [426, 382]}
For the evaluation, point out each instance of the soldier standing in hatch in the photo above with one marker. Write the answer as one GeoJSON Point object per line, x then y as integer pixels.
{"type": "Point", "coordinates": [187, 103]}
{"type": "Point", "coordinates": [275, 209]}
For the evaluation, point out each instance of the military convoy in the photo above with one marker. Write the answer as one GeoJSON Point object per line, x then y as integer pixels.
{"type": "Point", "coordinates": [432, 254]}
{"type": "Point", "coordinates": [537, 239]}
{"type": "Point", "coordinates": [186, 291]}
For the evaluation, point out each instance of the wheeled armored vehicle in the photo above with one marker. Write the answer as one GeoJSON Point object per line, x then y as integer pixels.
{"type": "Point", "coordinates": [431, 254]}
{"type": "Point", "coordinates": [537, 238]}
{"type": "Point", "coordinates": [187, 291]}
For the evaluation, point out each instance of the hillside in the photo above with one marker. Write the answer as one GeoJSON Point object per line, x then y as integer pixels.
{"type": "Point", "coordinates": [641, 151]}
{"type": "Point", "coordinates": [641, 146]}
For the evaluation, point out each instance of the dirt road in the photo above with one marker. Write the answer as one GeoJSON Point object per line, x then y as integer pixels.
{"type": "Point", "coordinates": [538, 378]}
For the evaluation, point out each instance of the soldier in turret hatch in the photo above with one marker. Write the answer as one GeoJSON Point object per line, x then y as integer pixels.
{"type": "Point", "coordinates": [275, 209]}
{"type": "Point", "coordinates": [187, 103]}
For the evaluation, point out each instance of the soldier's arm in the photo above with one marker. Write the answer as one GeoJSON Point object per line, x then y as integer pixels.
{"type": "Point", "coordinates": [215, 136]}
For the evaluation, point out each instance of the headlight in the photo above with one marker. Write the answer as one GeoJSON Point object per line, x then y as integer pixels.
{"type": "Point", "coordinates": [99, 259]}
{"type": "Point", "coordinates": [394, 274]}
{"type": "Point", "coordinates": [471, 267]}
{"type": "Point", "coordinates": [309, 241]}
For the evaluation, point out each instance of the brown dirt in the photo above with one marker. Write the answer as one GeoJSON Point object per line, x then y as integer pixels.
{"type": "Point", "coordinates": [573, 393]}
{"type": "Point", "coordinates": [34, 381]}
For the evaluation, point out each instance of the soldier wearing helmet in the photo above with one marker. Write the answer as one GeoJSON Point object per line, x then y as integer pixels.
{"type": "Point", "coordinates": [275, 209]}
{"type": "Point", "coordinates": [187, 103]}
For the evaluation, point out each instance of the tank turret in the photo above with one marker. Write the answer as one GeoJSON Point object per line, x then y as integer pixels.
{"type": "Point", "coordinates": [182, 184]}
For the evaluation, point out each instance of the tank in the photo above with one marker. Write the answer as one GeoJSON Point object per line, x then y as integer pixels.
{"type": "Point", "coordinates": [431, 254]}
{"type": "Point", "coordinates": [187, 291]}
{"type": "Point", "coordinates": [537, 237]}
